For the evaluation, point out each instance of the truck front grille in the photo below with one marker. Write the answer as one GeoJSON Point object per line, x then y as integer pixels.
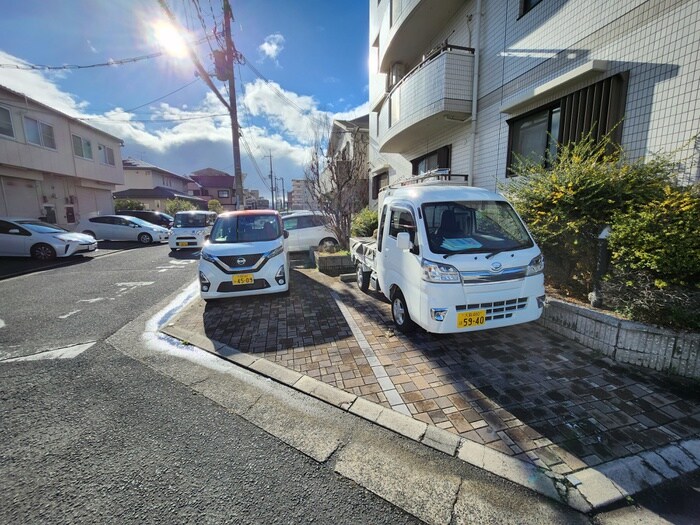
{"type": "Point", "coordinates": [497, 309]}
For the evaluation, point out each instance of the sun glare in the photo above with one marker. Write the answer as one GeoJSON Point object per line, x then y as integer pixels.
{"type": "Point", "coordinates": [170, 39]}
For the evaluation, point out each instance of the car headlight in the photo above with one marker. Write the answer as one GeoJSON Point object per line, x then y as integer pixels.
{"type": "Point", "coordinates": [275, 252]}
{"type": "Point", "coordinates": [536, 266]}
{"type": "Point", "coordinates": [207, 256]}
{"type": "Point", "coordinates": [439, 273]}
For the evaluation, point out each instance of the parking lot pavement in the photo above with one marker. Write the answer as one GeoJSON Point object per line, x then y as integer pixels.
{"type": "Point", "coordinates": [523, 391]}
{"type": "Point", "coordinates": [14, 266]}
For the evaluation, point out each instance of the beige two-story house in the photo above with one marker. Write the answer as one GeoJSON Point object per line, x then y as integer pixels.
{"type": "Point", "coordinates": [52, 165]}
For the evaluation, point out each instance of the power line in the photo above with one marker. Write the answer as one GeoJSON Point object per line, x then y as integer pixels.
{"type": "Point", "coordinates": [164, 96]}
{"type": "Point", "coordinates": [120, 62]}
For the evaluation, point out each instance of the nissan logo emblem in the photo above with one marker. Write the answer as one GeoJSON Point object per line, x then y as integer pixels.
{"type": "Point", "coordinates": [240, 261]}
{"type": "Point", "coordinates": [496, 267]}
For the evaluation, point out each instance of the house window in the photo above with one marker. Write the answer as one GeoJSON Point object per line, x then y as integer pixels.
{"type": "Point", "coordinates": [82, 147]}
{"type": "Point", "coordinates": [440, 158]}
{"type": "Point", "coordinates": [6, 123]}
{"type": "Point", "coordinates": [224, 194]}
{"type": "Point", "coordinates": [107, 156]}
{"type": "Point", "coordinates": [39, 133]}
{"type": "Point", "coordinates": [596, 110]}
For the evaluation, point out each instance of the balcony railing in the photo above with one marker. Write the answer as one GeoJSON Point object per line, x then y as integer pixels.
{"type": "Point", "coordinates": [435, 93]}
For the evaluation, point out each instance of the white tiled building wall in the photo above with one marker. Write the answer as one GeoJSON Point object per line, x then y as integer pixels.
{"type": "Point", "coordinates": [656, 41]}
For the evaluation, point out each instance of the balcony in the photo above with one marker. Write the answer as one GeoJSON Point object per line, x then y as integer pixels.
{"type": "Point", "coordinates": [436, 94]}
{"type": "Point", "coordinates": [409, 27]}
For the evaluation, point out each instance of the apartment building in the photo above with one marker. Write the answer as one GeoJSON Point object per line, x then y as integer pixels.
{"type": "Point", "coordinates": [52, 165]}
{"type": "Point", "coordinates": [300, 198]}
{"type": "Point", "coordinates": [468, 84]}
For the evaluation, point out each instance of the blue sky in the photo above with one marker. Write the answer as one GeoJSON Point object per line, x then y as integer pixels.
{"type": "Point", "coordinates": [312, 54]}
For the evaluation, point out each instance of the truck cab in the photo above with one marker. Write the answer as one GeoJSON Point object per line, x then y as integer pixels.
{"type": "Point", "coordinates": [454, 258]}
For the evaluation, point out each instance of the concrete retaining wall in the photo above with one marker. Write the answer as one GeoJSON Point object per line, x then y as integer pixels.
{"type": "Point", "coordinates": [638, 344]}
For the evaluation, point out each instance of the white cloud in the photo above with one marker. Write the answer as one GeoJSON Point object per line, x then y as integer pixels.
{"type": "Point", "coordinates": [272, 46]}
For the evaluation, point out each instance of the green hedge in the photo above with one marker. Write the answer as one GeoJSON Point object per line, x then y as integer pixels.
{"type": "Point", "coordinates": [364, 223]}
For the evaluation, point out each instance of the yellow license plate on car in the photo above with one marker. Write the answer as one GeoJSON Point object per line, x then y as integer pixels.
{"type": "Point", "coordinates": [182, 243]}
{"type": "Point", "coordinates": [471, 319]}
{"type": "Point", "coordinates": [243, 278]}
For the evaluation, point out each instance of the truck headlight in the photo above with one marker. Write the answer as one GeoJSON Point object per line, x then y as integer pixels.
{"type": "Point", "coordinates": [536, 266]}
{"type": "Point", "coordinates": [439, 273]}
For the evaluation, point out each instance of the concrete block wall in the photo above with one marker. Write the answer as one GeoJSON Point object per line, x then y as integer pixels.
{"type": "Point", "coordinates": [669, 351]}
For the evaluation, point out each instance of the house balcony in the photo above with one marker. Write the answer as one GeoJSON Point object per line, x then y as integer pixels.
{"type": "Point", "coordinates": [408, 29]}
{"type": "Point", "coordinates": [436, 94]}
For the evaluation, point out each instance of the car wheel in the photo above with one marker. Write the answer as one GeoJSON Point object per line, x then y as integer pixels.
{"type": "Point", "coordinates": [328, 242]}
{"type": "Point", "coordinates": [145, 238]}
{"type": "Point", "coordinates": [399, 311]}
{"type": "Point", "coordinates": [362, 278]}
{"type": "Point", "coordinates": [43, 252]}
{"type": "Point", "coordinates": [91, 233]}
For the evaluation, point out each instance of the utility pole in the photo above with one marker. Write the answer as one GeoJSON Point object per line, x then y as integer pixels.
{"type": "Point", "coordinates": [284, 195]}
{"type": "Point", "coordinates": [272, 184]}
{"type": "Point", "coordinates": [231, 57]}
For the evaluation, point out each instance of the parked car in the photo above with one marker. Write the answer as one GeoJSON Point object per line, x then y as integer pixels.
{"type": "Point", "coordinates": [308, 229]}
{"type": "Point", "coordinates": [154, 217]}
{"type": "Point", "coordinates": [190, 229]}
{"type": "Point", "coordinates": [122, 228]}
{"type": "Point", "coordinates": [245, 255]}
{"type": "Point", "coordinates": [21, 237]}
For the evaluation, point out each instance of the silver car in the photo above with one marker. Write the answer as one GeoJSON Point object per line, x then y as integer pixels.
{"type": "Point", "coordinates": [22, 237]}
{"type": "Point", "coordinates": [122, 228]}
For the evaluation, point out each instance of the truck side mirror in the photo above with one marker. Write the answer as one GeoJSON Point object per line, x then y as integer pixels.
{"type": "Point", "coordinates": [403, 241]}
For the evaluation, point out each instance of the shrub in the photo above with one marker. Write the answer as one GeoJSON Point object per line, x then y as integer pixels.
{"type": "Point", "coordinates": [215, 206]}
{"type": "Point", "coordinates": [661, 238]}
{"type": "Point", "coordinates": [172, 206]}
{"type": "Point", "coordinates": [128, 204]}
{"type": "Point", "coordinates": [568, 204]}
{"type": "Point", "coordinates": [364, 223]}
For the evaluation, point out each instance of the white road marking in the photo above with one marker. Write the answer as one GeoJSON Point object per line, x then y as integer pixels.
{"type": "Point", "coordinates": [68, 314]}
{"type": "Point", "coordinates": [95, 300]}
{"type": "Point", "coordinates": [125, 287]}
{"type": "Point", "coordinates": [2, 323]}
{"type": "Point", "coordinates": [68, 352]}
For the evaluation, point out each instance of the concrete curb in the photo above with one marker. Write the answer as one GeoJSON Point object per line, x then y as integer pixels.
{"type": "Point", "coordinates": [586, 490]}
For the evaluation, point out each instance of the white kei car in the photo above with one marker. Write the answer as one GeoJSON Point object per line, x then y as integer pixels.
{"type": "Point", "coordinates": [21, 237]}
{"type": "Point", "coordinates": [308, 229]}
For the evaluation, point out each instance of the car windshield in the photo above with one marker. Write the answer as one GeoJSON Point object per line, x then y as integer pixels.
{"type": "Point", "coordinates": [190, 220]}
{"type": "Point", "coordinates": [474, 227]}
{"type": "Point", "coordinates": [245, 228]}
{"type": "Point", "coordinates": [42, 227]}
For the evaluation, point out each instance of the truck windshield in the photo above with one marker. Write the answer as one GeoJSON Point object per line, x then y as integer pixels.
{"type": "Point", "coordinates": [474, 227]}
{"type": "Point", "coordinates": [245, 228]}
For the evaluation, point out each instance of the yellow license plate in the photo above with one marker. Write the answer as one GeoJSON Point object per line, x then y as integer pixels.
{"type": "Point", "coordinates": [243, 278]}
{"type": "Point", "coordinates": [471, 319]}
{"type": "Point", "coordinates": [182, 243]}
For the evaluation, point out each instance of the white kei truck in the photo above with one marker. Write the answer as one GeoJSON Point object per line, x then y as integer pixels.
{"type": "Point", "coordinates": [451, 258]}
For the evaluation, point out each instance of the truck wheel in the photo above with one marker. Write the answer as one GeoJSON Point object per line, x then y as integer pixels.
{"type": "Point", "coordinates": [362, 278]}
{"type": "Point", "coordinates": [399, 311]}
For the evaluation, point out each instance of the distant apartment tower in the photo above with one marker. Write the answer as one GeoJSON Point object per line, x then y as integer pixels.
{"type": "Point", "coordinates": [470, 84]}
{"type": "Point", "coordinates": [300, 198]}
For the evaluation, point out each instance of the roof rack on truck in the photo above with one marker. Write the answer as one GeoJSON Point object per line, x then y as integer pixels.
{"type": "Point", "coordinates": [433, 177]}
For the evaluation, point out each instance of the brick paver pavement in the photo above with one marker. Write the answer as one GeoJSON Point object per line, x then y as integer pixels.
{"type": "Point", "coordinates": [524, 391]}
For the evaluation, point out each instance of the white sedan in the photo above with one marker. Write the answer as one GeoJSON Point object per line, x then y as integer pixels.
{"type": "Point", "coordinates": [33, 238]}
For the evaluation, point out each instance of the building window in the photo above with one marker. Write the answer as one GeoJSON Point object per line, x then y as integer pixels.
{"type": "Point", "coordinates": [440, 158]}
{"type": "Point", "coordinates": [82, 147]}
{"type": "Point", "coordinates": [224, 194]}
{"type": "Point", "coordinates": [6, 123]}
{"type": "Point", "coordinates": [596, 110]}
{"type": "Point", "coordinates": [39, 133]}
{"type": "Point", "coordinates": [107, 156]}
{"type": "Point", "coordinates": [527, 5]}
